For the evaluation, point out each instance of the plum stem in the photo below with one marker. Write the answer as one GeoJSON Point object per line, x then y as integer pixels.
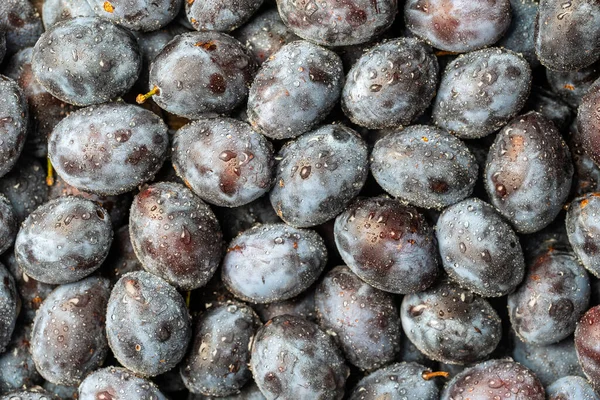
{"type": "Point", "coordinates": [50, 175]}
{"type": "Point", "coordinates": [141, 98]}
{"type": "Point", "coordinates": [427, 375]}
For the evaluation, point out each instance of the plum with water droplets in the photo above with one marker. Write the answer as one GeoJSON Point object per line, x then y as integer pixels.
{"type": "Point", "coordinates": [114, 383]}
{"type": "Point", "coordinates": [21, 23]}
{"type": "Point", "coordinates": [17, 368]}
{"type": "Point", "coordinates": [583, 230]}
{"type": "Point", "coordinates": [64, 240]}
{"type": "Point", "coordinates": [221, 15]}
{"type": "Point", "coordinates": [137, 15]}
{"type": "Point", "coordinates": [25, 187]}
{"type": "Point", "coordinates": [14, 122]}
{"type": "Point", "coordinates": [54, 11]}
{"type": "Point", "coordinates": [571, 388]}
{"type": "Point", "coordinates": [588, 122]}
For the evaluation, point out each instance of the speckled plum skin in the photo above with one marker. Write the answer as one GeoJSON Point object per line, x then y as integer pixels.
{"type": "Point", "coordinates": [223, 161]}
{"type": "Point", "coordinates": [318, 174]}
{"type": "Point", "coordinates": [338, 23]}
{"type": "Point", "coordinates": [501, 378]}
{"type": "Point", "coordinates": [25, 186]}
{"type": "Point", "coordinates": [217, 361]}
{"type": "Point", "coordinates": [302, 305]}
{"type": "Point", "coordinates": [175, 235]}
{"type": "Point", "coordinates": [528, 172]}
{"type": "Point", "coordinates": [583, 229]}
{"type": "Point", "coordinates": [17, 369]}
{"type": "Point", "coordinates": [587, 345]}
{"type": "Point", "coordinates": [396, 381]}
{"type": "Point", "coordinates": [388, 245]}
{"type": "Point", "coordinates": [137, 15]}
{"type": "Point", "coordinates": [479, 249]}
{"type": "Point", "coordinates": [365, 320]}
{"type": "Point", "coordinates": [248, 392]}
{"type": "Point", "coordinates": [588, 122]}
{"type": "Point", "coordinates": [14, 122]}
{"type": "Point", "coordinates": [107, 68]}
{"type": "Point", "coordinates": [481, 91]}
{"type": "Point", "coordinates": [520, 35]}
{"type": "Point", "coordinates": [567, 34]}
{"type": "Point", "coordinates": [264, 35]}
{"type": "Point", "coordinates": [147, 324]}
{"type": "Point", "coordinates": [54, 11]}
{"type": "Point", "coordinates": [10, 305]}
{"type": "Point", "coordinates": [224, 16]}
{"type": "Point", "coordinates": [293, 358]}
{"type": "Point", "coordinates": [586, 178]}
{"type": "Point", "coordinates": [458, 25]}
{"type": "Point", "coordinates": [8, 224]}
{"type": "Point", "coordinates": [294, 90]}
{"type": "Point", "coordinates": [34, 393]}
{"type": "Point", "coordinates": [550, 301]}
{"type": "Point", "coordinates": [548, 363]}
{"type": "Point", "coordinates": [391, 84]}
{"type": "Point", "coordinates": [571, 388]}
{"type": "Point", "coordinates": [424, 166]}
{"type": "Point", "coordinates": [108, 149]}
{"type": "Point", "coordinates": [117, 384]}
{"type": "Point", "coordinates": [450, 324]}
{"type": "Point", "coordinates": [68, 340]}
{"type": "Point", "coordinates": [45, 110]}
{"type": "Point", "coordinates": [571, 86]}
{"type": "Point", "coordinates": [273, 262]}
{"type": "Point", "coordinates": [64, 240]}
{"type": "Point", "coordinates": [21, 24]}
{"type": "Point", "coordinates": [227, 71]}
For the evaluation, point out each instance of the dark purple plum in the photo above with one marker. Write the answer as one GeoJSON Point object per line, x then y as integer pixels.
{"type": "Point", "coordinates": [567, 34]}
{"type": "Point", "coordinates": [294, 358]}
{"type": "Point", "coordinates": [520, 36]}
{"type": "Point", "coordinates": [248, 392]}
{"type": "Point", "coordinates": [529, 172]}
{"type": "Point", "coordinates": [365, 320]}
{"type": "Point", "coordinates": [8, 224]}
{"type": "Point", "coordinates": [458, 25]}
{"type": "Point", "coordinates": [388, 245]}
{"type": "Point", "coordinates": [64, 240]}
{"type": "Point", "coordinates": [108, 149]}
{"type": "Point", "coordinates": [302, 305]}
{"type": "Point", "coordinates": [450, 324]}
{"type": "Point", "coordinates": [221, 15]}
{"type": "Point", "coordinates": [217, 361]}
{"type": "Point", "coordinates": [33, 393]}
{"type": "Point", "coordinates": [223, 161]}
{"type": "Point", "coordinates": [479, 249]}
{"type": "Point", "coordinates": [481, 91]}
{"type": "Point", "coordinates": [264, 35]}
{"type": "Point", "coordinates": [10, 306]}
{"type": "Point", "coordinates": [107, 68]}
{"type": "Point", "coordinates": [61, 391]}
{"type": "Point", "coordinates": [587, 345]}
{"type": "Point", "coordinates": [586, 178]}
{"type": "Point", "coordinates": [391, 84]}
{"type": "Point", "coordinates": [396, 381]}
{"type": "Point", "coordinates": [571, 86]}
{"type": "Point", "coordinates": [227, 71]}
{"type": "Point", "coordinates": [495, 379]}
{"type": "Point", "coordinates": [17, 369]}
{"type": "Point", "coordinates": [147, 324]}
{"type": "Point", "coordinates": [588, 122]}
{"type": "Point", "coordinates": [583, 228]}
{"type": "Point", "coordinates": [25, 187]}
{"type": "Point", "coordinates": [338, 23]}
{"type": "Point", "coordinates": [548, 363]}
{"type": "Point", "coordinates": [117, 205]}
{"type": "Point", "coordinates": [14, 122]}
{"type": "Point", "coordinates": [45, 110]}
{"type": "Point", "coordinates": [115, 383]}
{"type": "Point", "coordinates": [571, 388]}
{"type": "Point", "coordinates": [137, 15]}
{"type": "Point", "coordinates": [175, 235]}
{"type": "Point", "coordinates": [273, 262]}
{"type": "Point", "coordinates": [54, 11]}
{"type": "Point", "coordinates": [553, 296]}
{"type": "Point", "coordinates": [424, 166]}
{"type": "Point", "coordinates": [318, 174]}
{"type": "Point", "coordinates": [238, 219]}
{"type": "Point", "coordinates": [121, 258]}
{"type": "Point", "coordinates": [68, 340]}
{"type": "Point", "coordinates": [294, 90]}
{"type": "Point", "coordinates": [21, 23]}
